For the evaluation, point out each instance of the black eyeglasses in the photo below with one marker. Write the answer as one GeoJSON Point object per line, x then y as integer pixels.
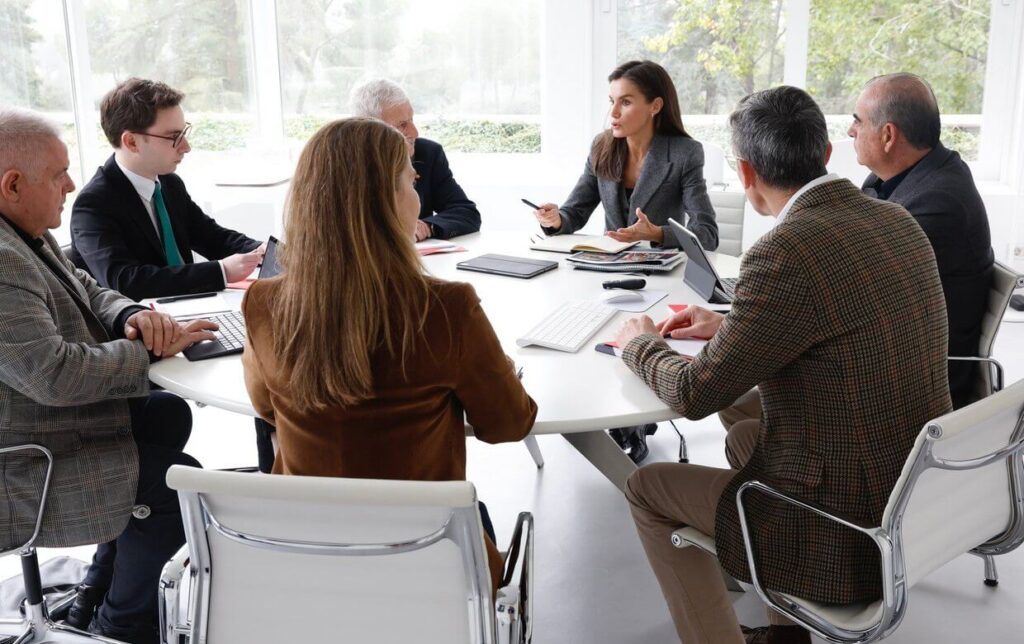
{"type": "Point", "coordinates": [176, 139]}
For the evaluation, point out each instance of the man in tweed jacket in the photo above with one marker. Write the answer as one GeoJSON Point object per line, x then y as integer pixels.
{"type": "Point", "coordinates": [71, 355]}
{"type": "Point", "coordinates": [839, 319]}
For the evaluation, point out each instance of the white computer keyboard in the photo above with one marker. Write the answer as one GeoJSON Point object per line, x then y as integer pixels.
{"type": "Point", "coordinates": [569, 326]}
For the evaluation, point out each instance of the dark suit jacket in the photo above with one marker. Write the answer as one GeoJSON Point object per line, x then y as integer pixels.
{"type": "Point", "coordinates": [113, 238]}
{"type": "Point", "coordinates": [671, 186]}
{"type": "Point", "coordinates": [64, 382]}
{"type": "Point", "coordinates": [443, 204]}
{"type": "Point", "coordinates": [839, 319]}
{"type": "Point", "coordinates": [940, 193]}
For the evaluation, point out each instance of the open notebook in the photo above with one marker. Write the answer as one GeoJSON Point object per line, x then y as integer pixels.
{"type": "Point", "coordinates": [577, 243]}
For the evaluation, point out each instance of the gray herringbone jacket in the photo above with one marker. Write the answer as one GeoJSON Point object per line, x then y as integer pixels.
{"type": "Point", "coordinates": [64, 385]}
{"type": "Point", "coordinates": [839, 318]}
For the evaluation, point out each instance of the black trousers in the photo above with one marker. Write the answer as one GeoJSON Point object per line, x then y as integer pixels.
{"type": "Point", "coordinates": [129, 566]}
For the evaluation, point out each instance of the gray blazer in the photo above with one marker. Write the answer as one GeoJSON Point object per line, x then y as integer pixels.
{"type": "Point", "coordinates": [64, 384]}
{"type": "Point", "coordinates": [671, 186]}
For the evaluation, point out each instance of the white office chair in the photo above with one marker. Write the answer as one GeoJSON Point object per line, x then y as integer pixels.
{"type": "Point", "coordinates": [316, 559]}
{"type": "Point", "coordinates": [843, 162]}
{"type": "Point", "coordinates": [990, 376]}
{"type": "Point", "coordinates": [960, 491]}
{"type": "Point", "coordinates": [37, 625]}
{"type": "Point", "coordinates": [714, 165]}
{"type": "Point", "coordinates": [729, 207]}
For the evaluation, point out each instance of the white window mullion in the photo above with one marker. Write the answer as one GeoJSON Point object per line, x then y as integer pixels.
{"type": "Point", "coordinates": [266, 72]}
{"type": "Point", "coordinates": [86, 122]}
{"type": "Point", "coordinates": [798, 25]}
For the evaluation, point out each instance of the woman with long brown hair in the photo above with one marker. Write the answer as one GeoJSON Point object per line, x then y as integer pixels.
{"type": "Point", "coordinates": [644, 170]}
{"type": "Point", "coordinates": [368, 367]}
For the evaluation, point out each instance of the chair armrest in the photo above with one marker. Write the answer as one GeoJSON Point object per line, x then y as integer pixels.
{"type": "Point", "coordinates": [174, 592]}
{"type": "Point", "coordinates": [42, 499]}
{"type": "Point", "coordinates": [514, 602]}
{"type": "Point", "coordinates": [810, 506]}
{"type": "Point", "coordinates": [992, 362]}
{"type": "Point", "coordinates": [803, 616]}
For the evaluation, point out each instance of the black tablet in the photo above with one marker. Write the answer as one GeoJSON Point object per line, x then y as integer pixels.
{"type": "Point", "coordinates": [507, 265]}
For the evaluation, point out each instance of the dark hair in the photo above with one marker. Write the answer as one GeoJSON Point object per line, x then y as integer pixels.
{"type": "Point", "coordinates": [781, 132]}
{"type": "Point", "coordinates": [908, 102]}
{"type": "Point", "coordinates": [132, 106]}
{"type": "Point", "coordinates": [610, 154]}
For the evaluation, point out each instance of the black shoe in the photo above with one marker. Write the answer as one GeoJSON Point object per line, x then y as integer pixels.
{"type": "Point", "coordinates": [638, 446]}
{"type": "Point", "coordinates": [84, 607]}
{"type": "Point", "coordinates": [618, 435]}
{"type": "Point", "coordinates": [775, 635]}
{"type": "Point", "coordinates": [650, 428]}
{"type": "Point", "coordinates": [142, 634]}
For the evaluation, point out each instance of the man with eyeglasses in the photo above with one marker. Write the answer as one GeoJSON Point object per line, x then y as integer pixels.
{"type": "Point", "coordinates": [134, 226]}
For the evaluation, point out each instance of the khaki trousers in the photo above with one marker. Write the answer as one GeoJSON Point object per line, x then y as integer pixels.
{"type": "Point", "coordinates": [664, 497]}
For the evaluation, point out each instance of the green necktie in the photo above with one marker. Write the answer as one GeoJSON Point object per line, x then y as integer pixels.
{"type": "Point", "coordinates": [170, 246]}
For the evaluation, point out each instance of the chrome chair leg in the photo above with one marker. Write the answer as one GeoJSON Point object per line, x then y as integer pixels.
{"type": "Point", "coordinates": [991, 575]}
{"type": "Point", "coordinates": [684, 456]}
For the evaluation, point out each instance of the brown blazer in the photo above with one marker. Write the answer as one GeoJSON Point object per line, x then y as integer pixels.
{"type": "Point", "coordinates": [839, 318]}
{"type": "Point", "coordinates": [413, 428]}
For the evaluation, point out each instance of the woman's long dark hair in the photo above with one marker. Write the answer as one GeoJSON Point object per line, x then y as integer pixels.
{"type": "Point", "coordinates": [609, 154]}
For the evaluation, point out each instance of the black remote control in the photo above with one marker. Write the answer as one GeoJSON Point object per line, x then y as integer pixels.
{"type": "Point", "coordinates": [633, 284]}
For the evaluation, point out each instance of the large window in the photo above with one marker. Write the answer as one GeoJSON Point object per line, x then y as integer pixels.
{"type": "Point", "coordinates": [718, 51]}
{"type": "Point", "coordinates": [34, 69]}
{"type": "Point", "coordinates": [944, 41]}
{"type": "Point", "coordinates": [470, 67]}
{"type": "Point", "coordinates": [201, 47]}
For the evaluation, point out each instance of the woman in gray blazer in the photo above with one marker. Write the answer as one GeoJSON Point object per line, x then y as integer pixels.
{"type": "Point", "coordinates": [644, 170]}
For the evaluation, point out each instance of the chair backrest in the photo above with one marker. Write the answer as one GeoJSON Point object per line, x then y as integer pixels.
{"type": "Point", "coordinates": [843, 162]}
{"type": "Point", "coordinates": [729, 208]}
{"type": "Point", "coordinates": [1004, 281]}
{"type": "Point", "coordinates": [296, 559]}
{"type": "Point", "coordinates": [941, 513]}
{"type": "Point", "coordinates": [714, 163]}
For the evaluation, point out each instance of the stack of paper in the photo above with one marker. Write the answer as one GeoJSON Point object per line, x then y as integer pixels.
{"type": "Point", "coordinates": [434, 246]}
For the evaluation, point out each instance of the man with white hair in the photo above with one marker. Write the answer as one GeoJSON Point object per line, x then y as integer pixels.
{"type": "Point", "coordinates": [74, 364]}
{"type": "Point", "coordinates": [445, 211]}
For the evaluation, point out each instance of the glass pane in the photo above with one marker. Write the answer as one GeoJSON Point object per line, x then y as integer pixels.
{"type": "Point", "coordinates": [715, 52]}
{"type": "Point", "coordinates": [470, 67]}
{"type": "Point", "coordinates": [197, 46]}
{"type": "Point", "coordinates": [34, 73]}
{"type": "Point", "coordinates": [944, 41]}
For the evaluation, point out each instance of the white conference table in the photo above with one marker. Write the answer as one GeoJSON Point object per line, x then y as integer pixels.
{"type": "Point", "coordinates": [578, 395]}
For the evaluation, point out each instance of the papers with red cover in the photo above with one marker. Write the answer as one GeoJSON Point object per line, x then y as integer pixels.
{"type": "Point", "coordinates": [435, 246]}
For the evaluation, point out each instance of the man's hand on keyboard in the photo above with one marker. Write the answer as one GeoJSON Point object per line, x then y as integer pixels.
{"type": "Point", "coordinates": [691, 322]}
{"type": "Point", "coordinates": [190, 333]}
{"type": "Point", "coordinates": [635, 327]}
{"type": "Point", "coordinates": [157, 330]}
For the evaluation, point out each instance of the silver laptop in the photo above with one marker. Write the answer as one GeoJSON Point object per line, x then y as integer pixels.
{"type": "Point", "coordinates": [700, 273]}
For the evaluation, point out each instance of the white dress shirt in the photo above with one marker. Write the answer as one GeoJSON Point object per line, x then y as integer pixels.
{"type": "Point", "coordinates": [146, 188]}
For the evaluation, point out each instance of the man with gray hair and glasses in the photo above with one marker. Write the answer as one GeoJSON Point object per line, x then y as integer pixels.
{"type": "Point", "coordinates": [839, 320]}
{"type": "Point", "coordinates": [445, 211]}
{"type": "Point", "coordinates": [74, 378]}
{"type": "Point", "coordinates": [895, 132]}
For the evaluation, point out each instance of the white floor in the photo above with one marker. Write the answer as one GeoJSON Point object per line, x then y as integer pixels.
{"type": "Point", "coordinates": [593, 582]}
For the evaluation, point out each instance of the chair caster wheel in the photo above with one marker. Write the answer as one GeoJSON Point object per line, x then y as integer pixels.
{"type": "Point", "coordinates": [991, 583]}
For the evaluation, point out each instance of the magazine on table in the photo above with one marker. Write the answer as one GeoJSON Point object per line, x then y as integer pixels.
{"type": "Point", "coordinates": [631, 260]}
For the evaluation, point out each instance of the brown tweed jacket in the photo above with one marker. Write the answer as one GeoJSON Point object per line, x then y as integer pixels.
{"type": "Point", "coordinates": [63, 385]}
{"type": "Point", "coordinates": [839, 318]}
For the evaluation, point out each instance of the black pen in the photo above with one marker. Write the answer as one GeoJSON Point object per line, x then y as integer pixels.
{"type": "Point", "coordinates": [530, 204]}
{"type": "Point", "coordinates": [178, 298]}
